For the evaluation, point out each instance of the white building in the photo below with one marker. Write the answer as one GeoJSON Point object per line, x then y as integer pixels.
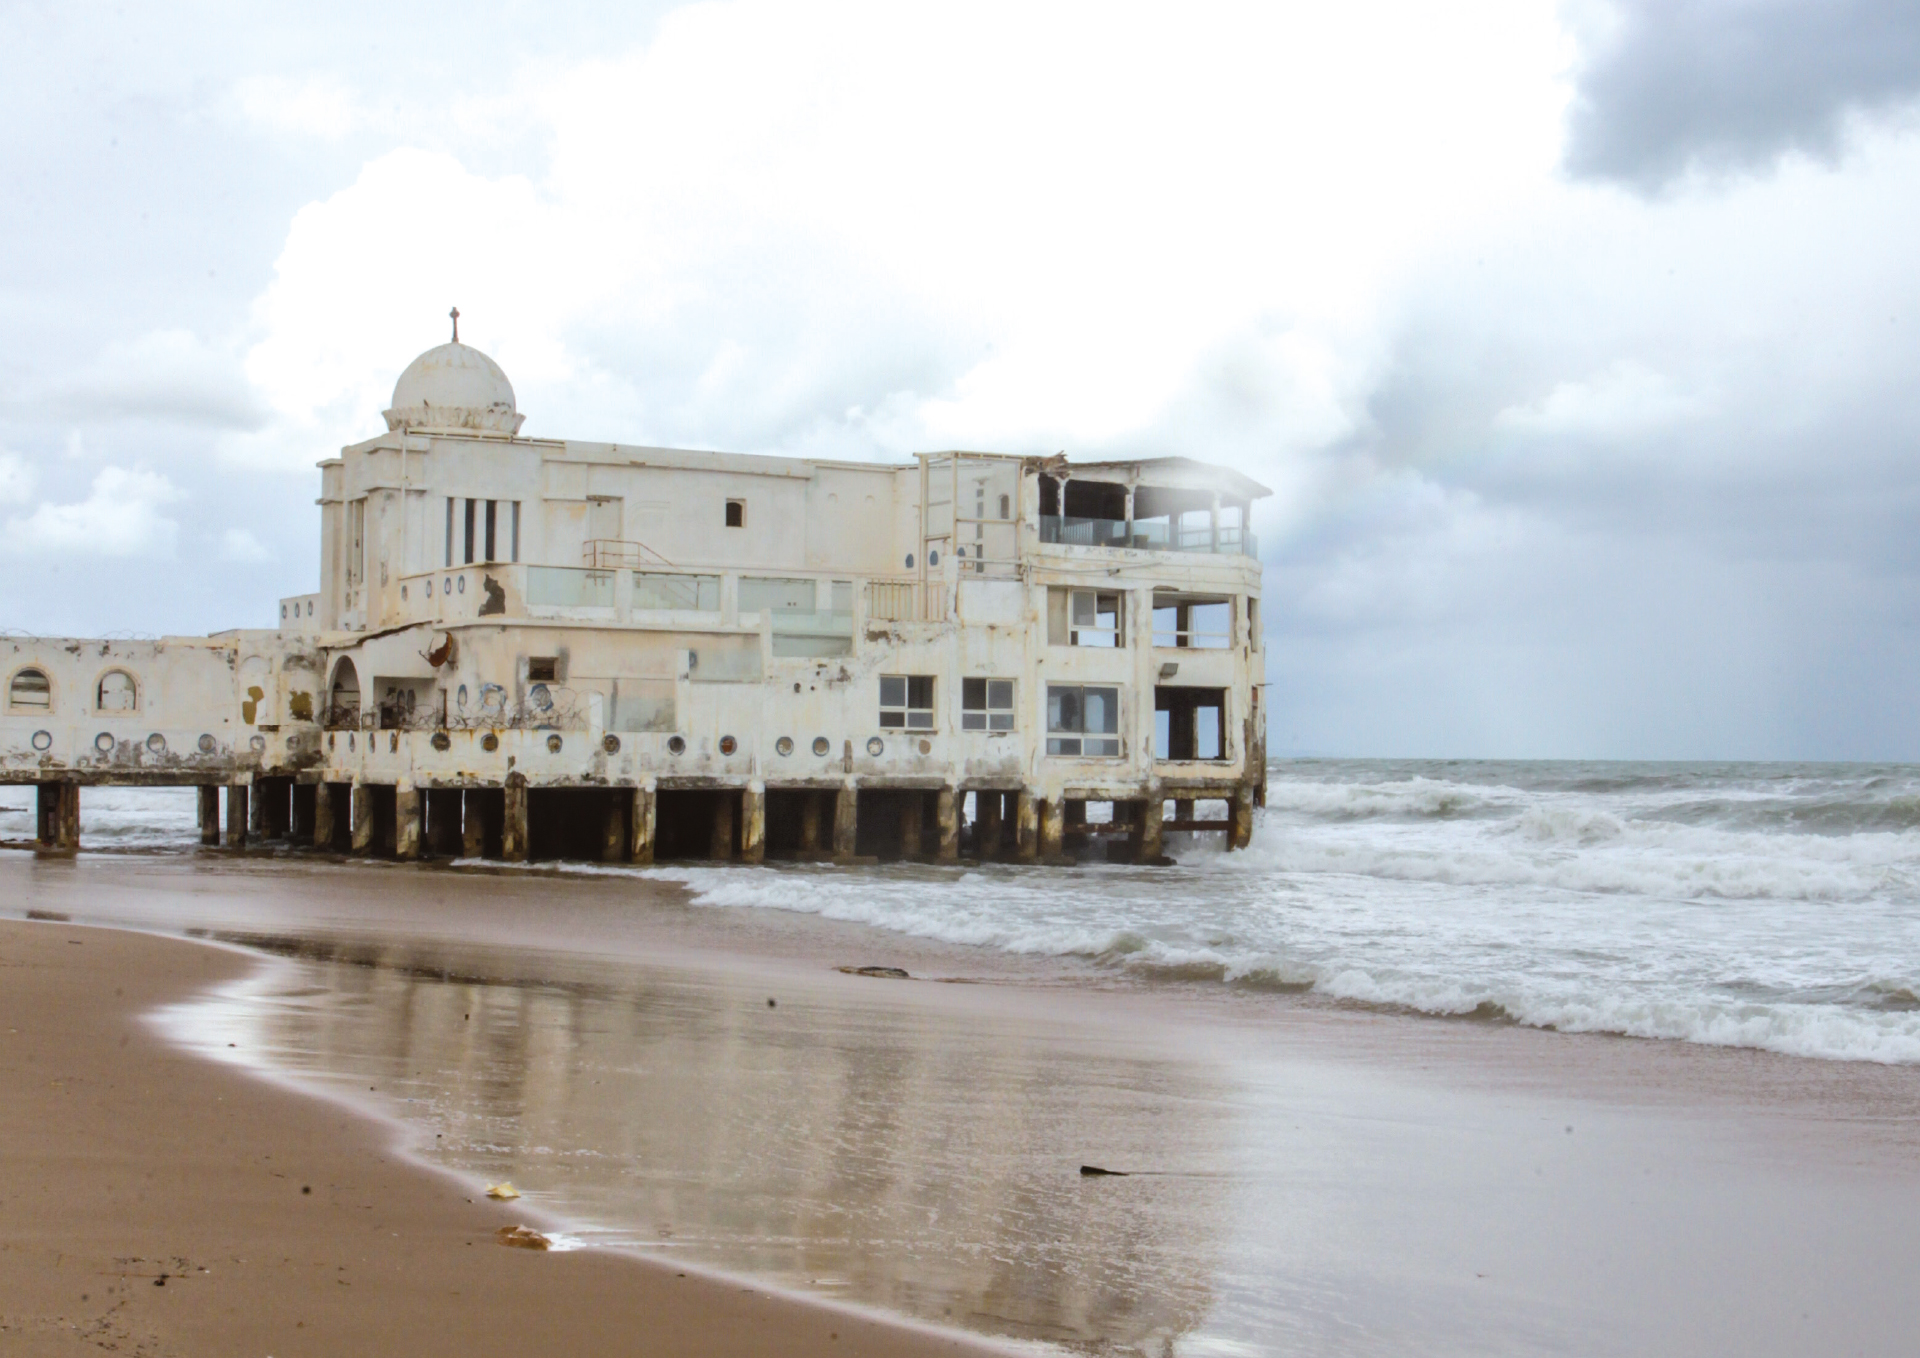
{"type": "Point", "coordinates": [544, 647]}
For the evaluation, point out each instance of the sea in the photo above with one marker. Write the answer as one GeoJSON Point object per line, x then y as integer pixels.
{"type": "Point", "coordinates": [1773, 906]}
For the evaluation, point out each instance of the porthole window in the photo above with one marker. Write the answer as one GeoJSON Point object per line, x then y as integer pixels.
{"type": "Point", "coordinates": [728, 744]}
{"type": "Point", "coordinates": [30, 690]}
{"type": "Point", "coordinates": [553, 744]}
{"type": "Point", "coordinates": [442, 741]}
{"type": "Point", "coordinates": [489, 742]}
{"type": "Point", "coordinates": [783, 746]}
{"type": "Point", "coordinates": [611, 744]}
{"type": "Point", "coordinates": [43, 741]}
{"type": "Point", "coordinates": [876, 747]}
{"type": "Point", "coordinates": [116, 692]}
{"type": "Point", "coordinates": [309, 608]}
{"type": "Point", "coordinates": [909, 560]}
{"type": "Point", "coordinates": [104, 742]}
{"type": "Point", "coordinates": [933, 558]}
{"type": "Point", "coordinates": [821, 745]}
{"type": "Point", "coordinates": [462, 586]}
{"type": "Point", "coordinates": [446, 585]}
{"type": "Point", "coordinates": [403, 593]}
{"type": "Point", "coordinates": [676, 745]}
{"type": "Point", "coordinates": [429, 589]}
{"type": "Point", "coordinates": [257, 744]}
{"type": "Point", "coordinates": [157, 743]}
{"type": "Point", "coordinates": [208, 744]}
{"type": "Point", "coordinates": [283, 612]}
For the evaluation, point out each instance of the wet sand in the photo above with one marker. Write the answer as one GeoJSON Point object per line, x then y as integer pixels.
{"type": "Point", "coordinates": [1318, 1178]}
{"type": "Point", "coordinates": [156, 1203]}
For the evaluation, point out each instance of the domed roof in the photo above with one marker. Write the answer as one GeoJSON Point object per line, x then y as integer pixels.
{"type": "Point", "coordinates": [454, 387]}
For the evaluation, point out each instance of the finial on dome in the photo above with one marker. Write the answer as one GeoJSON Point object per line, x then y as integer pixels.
{"type": "Point", "coordinates": [455, 313]}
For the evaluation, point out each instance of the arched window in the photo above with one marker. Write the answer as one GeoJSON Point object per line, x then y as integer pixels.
{"type": "Point", "coordinates": [343, 699]}
{"type": "Point", "coordinates": [30, 690]}
{"type": "Point", "coordinates": [116, 692]}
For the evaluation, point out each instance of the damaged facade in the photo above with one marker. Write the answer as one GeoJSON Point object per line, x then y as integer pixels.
{"type": "Point", "coordinates": [525, 647]}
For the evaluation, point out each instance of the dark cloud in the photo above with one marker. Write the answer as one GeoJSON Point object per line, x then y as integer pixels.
{"type": "Point", "coordinates": [1721, 85]}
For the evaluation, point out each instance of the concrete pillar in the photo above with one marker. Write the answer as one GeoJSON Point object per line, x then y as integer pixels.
{"type": "Point", "coordinates": [910, 820]}
{"type": "Point", "coordinates": [1151, 842]}
{"type": "Point", "coordinates": [1026, 826]}
{"type": "Point", "coordinates": [846, 821]}
{"type": "Point", "coordinates": [57, 816]}
{"type": "Point", "coordinates": [753, 824]}
{"type": "Point", "coordinates": [641, 836]}
{"type": "Point", "coordinates": [362, 818]}
{"type": "Point", "coordinates": [720, 844]}
{"type": "Point", "coordinates": [323, 830]}
{"type": "Point", "coordinates": [1240, 833]}
{"type": "Point", "coordinates": [949, 816]}
{"type": "Point", "coordinates": [809, 823]}
{"type": "Point", "coordinates": [68, 838]}
{"type": "Point", "coordinates": [613, 833]}
{"type": "Point", "coordinates": [987, 823]}
{"type": "Point", "coordinates": [513, 830]}
{"type": "Point", "coordinates": [407, 821]}
{"type": "Point", "coordinates": [237, 815]}
{"type": "Point", "coordinates": [1053, 828]}
{"type": "Point", "coordinates": [209, 815]}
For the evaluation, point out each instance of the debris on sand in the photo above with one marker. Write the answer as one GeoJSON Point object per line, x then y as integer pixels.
{"type": "Point", "coordinates": [1095, 1172]}
{"type": "Point", "coordinates": [502, 1191]}
{"type": "Point", "coordinates": [890, 973]}
{"type": "Point", "coordinates": [522, 1238]}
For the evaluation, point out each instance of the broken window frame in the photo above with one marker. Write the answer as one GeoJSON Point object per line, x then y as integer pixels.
{"type": "Point", "coordinates": [736, 513]}
{"type": "Point", "coordinates": [24, 696]}
{"type": "Point", "coordinates": [987, 705]}
{"type": "Point", "coordinates": [132, 691]}
{"type": "Point", "coordinates": [1191, 637]}
{"type": "Point", "coordinates": [1067, 733]}
{"type": "Point", "coordinates": [1074, 617]}
{"type": "Point", "coordinates": [907, 702]}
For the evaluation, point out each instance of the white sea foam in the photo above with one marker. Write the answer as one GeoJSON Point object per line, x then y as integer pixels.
{"type": "Point", "coordinates": [1757, 906]}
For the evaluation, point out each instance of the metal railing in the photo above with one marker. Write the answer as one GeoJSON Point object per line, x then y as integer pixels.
{"type": "Point", "coordinates": [601, 554]}
{"type": "Point", "coordinates": [1148, 535]}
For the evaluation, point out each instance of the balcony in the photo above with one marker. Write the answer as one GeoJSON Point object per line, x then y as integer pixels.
{"type": "Point", "coordinates": [1149, 535]}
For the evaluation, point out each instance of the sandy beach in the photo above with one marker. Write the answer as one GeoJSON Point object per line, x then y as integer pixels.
{"type": "Point", "coordinates": [155, 1203]}
{"type": "Point", "coordinates": [1308, 1177]}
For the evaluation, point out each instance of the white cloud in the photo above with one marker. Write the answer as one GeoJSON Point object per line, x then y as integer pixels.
{"type": "Point", "coordinates": [1627, 398]}
{"type": "Point", "coordinates": [312, 106]}
{"type": "Point", "coordinates": [170, 375]}
{"type": "Point", "coordinates": [239, 544]}
{"type": "Point", "coordinates": [16, 478]}
{"type": "Point", "coordinates": [120, 518]}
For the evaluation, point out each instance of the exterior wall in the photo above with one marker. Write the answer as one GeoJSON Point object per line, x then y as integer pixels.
{"type": "Point", "coordinates": [442, 655]}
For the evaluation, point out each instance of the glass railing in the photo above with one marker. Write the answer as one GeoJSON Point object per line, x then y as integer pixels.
{"type": "Point", "coordinates": [1147, 535]}
{"type": "Point", "coordinates": [569, 587]}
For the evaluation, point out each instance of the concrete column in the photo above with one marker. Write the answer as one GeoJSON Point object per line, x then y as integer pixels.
{"type": "Point", "coordinates": [513, 831]}
{"type": "Point", "coordinates": [641, 836]}
{"type": "Point", "coordinates": [362, 818]}
{"type": "Point", "coordinates": [809, 823]}
{"type": "Point", "coordinates": [1053, 828]}
{"type": "Point", "coordinates": [237, 800]}
{"type": "Point", "coordinates": [846, 821]}
{"type": "Point", "coordinates": [473, 823]}
{"type": "Point", "coordinates": [1152, 838]}
{"type": "Point", "coordinates": [720, 843]}
{"type": "Point", "coordinates": [613, 834]}
{"type": "Point", "coordinates": [407, 818]}
{"type": "Point", "coordinates": [1240, 833]}
{"type": "Point", "coordinates": [753, 824]}
{"type": "Point", "coordinates": [323, 816]}
{"type": "Point", "coordinates": [949, 816]}
{"type": "Point", "coordinates": [57, 816]}
{"type": "Point", "coordinates": [209, 815]}
{"type": "Point", "coordinates": [910, 824]}
{"type": "Point", "coordinates": [68, 829]}
{"type": "Point", "coordinates": [1026, 826]}
{"type": "Point", "coordinates": [987, 808]}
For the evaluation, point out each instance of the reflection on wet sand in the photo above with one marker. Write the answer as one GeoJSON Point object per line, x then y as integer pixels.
{"type": "Point", "coordinates": [866, 1150]}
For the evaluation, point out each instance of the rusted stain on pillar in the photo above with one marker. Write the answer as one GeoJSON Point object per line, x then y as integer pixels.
{"type": "Point", "coordinates": [323, 827]}
{"type": "Point", "coordinates": [513, 831]}
{"type": "Point", "coordinates": [645, 818]}
{"type": "Point", "coordinates": [947, 811]}
{"type": "Point", "coordinates": [753, 824]}
{"type": "Point", "coordinates": [1026, 826]}
{"type": "Point", "coordinates": [1240, 832]}
{"type": "Point", "coordinates": [237, 815]}
{"type": "Point", "coordinates": [406, 821]}
{"type": "Point", "coordinates": [1152, 840]}
{"type": "Point", "coordinates": [846, 821]}
{"type": "Point", "coordinates": [1053, 829]}
{"type": "Point", "coordinates": [362, 818]}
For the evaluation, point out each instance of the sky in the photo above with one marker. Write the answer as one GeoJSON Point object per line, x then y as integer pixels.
{"type": "Point", "coordinates": [1576, 341]}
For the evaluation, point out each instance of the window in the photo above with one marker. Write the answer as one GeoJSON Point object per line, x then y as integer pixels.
{"type": "Point", "coordinates": [1253, 623]}
{"type": "Point", "coordinates": [1086, 617]}
{"type": "Point", "coordinates": [450, 504]}
{"type": "Point", "coordinates": [772, 594]}
{"type": "Point", "coordinates": [30, 690]}
{"type": "Point", "coordinates": [695, 593]}
{"type": "Point", "coordinates": [1189, 723]}
{"type": "Point", "coordinates": [986, 704]}
{"type": "Point", "coordinates": [356, 540]}
{"type": "Point", "coordinates": [1083, 720]}
{"type": "Point", "coordinates": [493, 519]}
{"type": "Point", "coordinates": [906, 702]}
{"type": "Point", "coordinates": [468, 558]}
{"type": "Point", "coordinates": [543, 669]}
{"type": "Point", "coordinates": [116, 692]}
{"type": "Point", "coordinates": [1198, 621]}
{"type": "Point", "coordinates": [736, 513]}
